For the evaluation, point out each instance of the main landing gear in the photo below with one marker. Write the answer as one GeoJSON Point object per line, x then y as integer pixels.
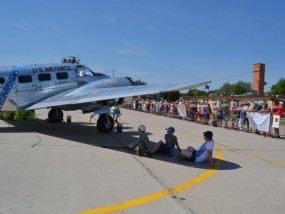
{"type": "Point", "coordinates": [105, 123]}
{"type": "Point", "coordinates": [55, 115]}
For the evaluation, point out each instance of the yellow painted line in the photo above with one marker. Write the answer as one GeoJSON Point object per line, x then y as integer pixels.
{"type": "Point", "coordinates": [161, 194]}
{"type": "Point", "coordinates": [253, 154]}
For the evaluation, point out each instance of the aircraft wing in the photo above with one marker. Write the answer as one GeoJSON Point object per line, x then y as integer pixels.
{"type": "Point", "coordinates": [75, 96]}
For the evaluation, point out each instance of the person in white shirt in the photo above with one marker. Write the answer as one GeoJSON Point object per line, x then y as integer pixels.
{"type": "Point", "coordinates": [205, 152]}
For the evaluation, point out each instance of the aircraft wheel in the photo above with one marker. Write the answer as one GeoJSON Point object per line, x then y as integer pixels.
{"type": "Point", "coordinates": [55, 115]}
{"type": "Point", "coordinates": [105, 123]}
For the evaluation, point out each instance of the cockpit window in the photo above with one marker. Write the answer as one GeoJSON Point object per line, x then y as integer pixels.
{"type": "Point", "coordinates": [83, 71]}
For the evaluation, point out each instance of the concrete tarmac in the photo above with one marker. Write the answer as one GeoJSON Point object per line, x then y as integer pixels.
{"type": "Point", "coordinates": [71, 168]}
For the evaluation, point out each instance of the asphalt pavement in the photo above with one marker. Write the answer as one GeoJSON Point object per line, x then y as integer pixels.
{"type": "Point", "coordinates": [71, 168]}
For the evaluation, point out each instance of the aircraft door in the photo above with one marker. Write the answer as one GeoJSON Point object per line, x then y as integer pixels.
{"type": "Point", "coordinates": [46, 85]}
{"type": "Point", "coordinates": [26, 90]}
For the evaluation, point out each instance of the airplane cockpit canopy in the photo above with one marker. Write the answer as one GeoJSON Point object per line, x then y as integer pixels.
{"type": "Point", "coordinates": [83, 71]}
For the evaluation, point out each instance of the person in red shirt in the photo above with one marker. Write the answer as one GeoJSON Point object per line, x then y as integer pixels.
{"type": "Point", "coordinates": [277, 110]}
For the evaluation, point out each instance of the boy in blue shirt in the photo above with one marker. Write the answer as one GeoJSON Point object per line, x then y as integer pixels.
{"type": "Point", "coordinates": [168, 146]}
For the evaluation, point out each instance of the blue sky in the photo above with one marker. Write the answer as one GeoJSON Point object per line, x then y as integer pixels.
{"type": "Point", "coordinates": [156, 41]}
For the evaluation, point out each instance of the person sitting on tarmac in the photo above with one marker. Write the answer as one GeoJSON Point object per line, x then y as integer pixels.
{"type": "Point", "coordinates": [205, 152]}
{"type": "Point", "coordinates": [141, 145]}
{"type": "Point", "coordinates": [168, 146]}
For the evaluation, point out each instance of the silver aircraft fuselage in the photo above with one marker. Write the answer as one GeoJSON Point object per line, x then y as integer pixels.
{"type": "Point", "coordinates": [23, 86]}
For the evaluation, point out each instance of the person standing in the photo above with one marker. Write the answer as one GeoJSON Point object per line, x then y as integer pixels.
{"type": "Point", "coordinates": [214, 111]}
{"type": "Point", "coordinates": [246, 108]}
{"type": "Point", "coordinates": [277, 112]}
{"type": "Point", "coordinates": [242, 116]}
{"type": "Point", "coordinates": [207, 113]}
{"type": "Point", "coordinates": [225, 110]}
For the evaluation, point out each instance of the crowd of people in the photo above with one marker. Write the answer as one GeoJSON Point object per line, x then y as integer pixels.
{"type": "Point", "coordinates": [219, 113]}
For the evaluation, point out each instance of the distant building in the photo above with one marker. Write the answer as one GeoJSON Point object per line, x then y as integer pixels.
{"type": "Point", "coordinates": [250, 92]}
{"type": "Point", "coordinates": [258, 78]}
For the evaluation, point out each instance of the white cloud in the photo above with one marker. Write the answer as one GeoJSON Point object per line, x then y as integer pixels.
{"type": "Point", "coordinates": [131, 49]}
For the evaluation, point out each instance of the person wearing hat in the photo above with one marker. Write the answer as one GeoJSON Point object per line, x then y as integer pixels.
{"type": "Point", "coordinates": [205, 152]}
{"type": "Point", "coordinates": [166, 147]}
{"type": "Point", "coordinates": [141, 145]}
{"type": "Point", "coordinates": [226, 113]}
{"type": "Point", "coordinates": [242, 116]}
{"type": "Point", "coordinates": [246, 109]}
{"type": "Point", "coordinates": [277, 112]}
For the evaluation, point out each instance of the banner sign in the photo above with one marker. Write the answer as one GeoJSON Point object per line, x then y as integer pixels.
{"type": "Point", "coordinates": [276, 121]}
{"type": "Point", "coordinates": [259, 121]}
{"type": "Point", "coordinates": [181, 111]}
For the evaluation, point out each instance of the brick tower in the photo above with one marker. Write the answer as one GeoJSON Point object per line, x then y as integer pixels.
{"type": "Point", "coordinates": [258, 78]}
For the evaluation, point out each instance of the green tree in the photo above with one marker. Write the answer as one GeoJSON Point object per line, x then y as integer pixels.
{"type": "Point", "coordinates": [196, 92]}
{"type": "Point", "coordinates": [226, 89]}
{"type": "Point", "coordinates": [240, 87]}
{"type": "Point", "coordinates": [279, 87]}
{"type": "Point", "coordinates": [170, 96]}
{"type": "Point", "coordinates": [237, 88]}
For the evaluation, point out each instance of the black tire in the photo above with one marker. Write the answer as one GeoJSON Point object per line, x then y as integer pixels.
{"type": "Point", "coordinates": [55, 115]}
{"type": "Point", "coordinates": [105, 123]}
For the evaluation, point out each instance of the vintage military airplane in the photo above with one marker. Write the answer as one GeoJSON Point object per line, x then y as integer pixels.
{"type": "Point", "coordinates": [68, 86]}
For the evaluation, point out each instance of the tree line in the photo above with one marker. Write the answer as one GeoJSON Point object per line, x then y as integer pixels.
{"type": "Point", "coordinates": [238, 88]}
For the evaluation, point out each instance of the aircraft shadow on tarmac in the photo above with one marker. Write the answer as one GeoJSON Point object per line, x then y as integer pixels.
{"type": "Point", "coordinates": [86, 133]}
